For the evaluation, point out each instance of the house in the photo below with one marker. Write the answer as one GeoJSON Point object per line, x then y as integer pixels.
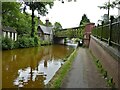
{"type": "Point", "coordinates": [87, 33]}
{"type": "Point", "coordinates": [9, 32]}
{"type": "Point", "coordinates": [45, 32]}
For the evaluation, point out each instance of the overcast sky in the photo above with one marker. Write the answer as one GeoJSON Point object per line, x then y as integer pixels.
{"type": "Point", "coordinates": [69, 14]}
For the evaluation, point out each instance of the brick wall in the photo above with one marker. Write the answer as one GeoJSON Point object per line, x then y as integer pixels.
{"type": "Point", "coordinates": [88, 28]}
{"type": "Point", "coordinates": [109, 63]}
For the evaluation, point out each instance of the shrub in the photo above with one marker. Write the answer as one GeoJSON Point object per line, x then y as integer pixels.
{"type": "Point", "coordinates": [46, 42]}
{"type": "Point", "coordinates": [36, 41]}
{"type": "Point", "coordinates": [31, 42]}
{"type": "Point", "coordinates": [7, 43]}
{"type": "Point", "coordinates": [23, 42]}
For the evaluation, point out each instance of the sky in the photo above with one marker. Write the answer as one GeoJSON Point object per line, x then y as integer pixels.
{"type": "Point", "coordinates": [69, 14]}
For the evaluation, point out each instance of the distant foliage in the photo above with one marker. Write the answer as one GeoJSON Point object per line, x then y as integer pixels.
{"type": "Point", "coordinates": [57, 26]}
{"type": "Point", "coordinates": [84, 20]}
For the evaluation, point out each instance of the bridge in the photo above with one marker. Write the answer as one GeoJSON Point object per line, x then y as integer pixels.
{"type": "Point", "coordinates": [69, 32]}
{"type": "Point", "coordinates": [75, 32]}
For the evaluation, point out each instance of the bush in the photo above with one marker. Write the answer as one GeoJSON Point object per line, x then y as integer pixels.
{"type": "Point", "coordinates": [45, 43]}
{"type": "Point", "coordinates": [23, 42]}
{"type": "Point", "coordinates": [31, 42]}
{"type": "Point", "coordinates": [36, 41]}
{"type": "Point", "coordinates": [7, 43]}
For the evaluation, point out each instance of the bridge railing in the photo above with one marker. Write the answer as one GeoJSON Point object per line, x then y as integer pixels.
{"type": "Point", "coordinates": [75, 32]}
{"type": "Point", "coordinates": [109, 33]}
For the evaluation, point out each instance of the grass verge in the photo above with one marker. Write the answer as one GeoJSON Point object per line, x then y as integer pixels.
{"type": "Point", "coordinates": [57, 80]}
{"type": "Point", "coordinates": [108, 78]}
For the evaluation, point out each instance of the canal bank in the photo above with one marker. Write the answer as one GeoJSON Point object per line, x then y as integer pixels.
{"type": "Point", "coordinates": [57, 80]}
{"type": "Point", "coordinates": [83, 73]}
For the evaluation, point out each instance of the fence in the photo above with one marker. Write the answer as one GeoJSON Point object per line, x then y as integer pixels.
{"type": "Point", "coordinates": [109, 33]}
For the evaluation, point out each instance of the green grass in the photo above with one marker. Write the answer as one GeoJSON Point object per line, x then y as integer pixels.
{"type": "Point", "coordinates": [57, 80]}
{"type": "Point", "coordinates": [109, 79]}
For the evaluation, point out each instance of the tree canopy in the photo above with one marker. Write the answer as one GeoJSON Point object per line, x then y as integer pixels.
{"type": "Point", "coordinates": [12, 17]}
{"type": "Point", "coordinates": [84, 20]}
{"type": "Point", "coordinates": [41, 8]}
{"type": "Point", "coordinates": [109, 5]}
{"type": "Point", "coordinates": [57, 26]}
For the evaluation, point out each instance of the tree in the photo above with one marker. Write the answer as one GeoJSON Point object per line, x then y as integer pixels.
{"type": "Point", "coordinates": [115, 3]}
{"type": "Point", "coordinates": [14, 18]}
{"type": "Point", "coordinates": [50, 24]}
{"type": "Point", "coordinates": [41, 8]}
{"type": "Point", "coordinates": [57, 26]}
{"type": "Point", "coordinates": [107, 6]}
{"type": "Point", "coordinates": [10, 12]}
{"type": "Point", "coordinates": [84, 20]}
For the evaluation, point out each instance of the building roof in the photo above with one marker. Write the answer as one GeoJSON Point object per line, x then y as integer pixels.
{"type": "Point", "coordinates": [8, 29]}
{"type": "Point", "coordinates": [45, 30]}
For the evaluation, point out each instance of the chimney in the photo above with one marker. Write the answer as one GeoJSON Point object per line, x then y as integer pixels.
{"type": "Point", "coordinates": [47, 22]}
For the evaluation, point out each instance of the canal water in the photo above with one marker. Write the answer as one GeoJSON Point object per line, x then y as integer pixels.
{"type": "Point", "coordinates": [32, 67]}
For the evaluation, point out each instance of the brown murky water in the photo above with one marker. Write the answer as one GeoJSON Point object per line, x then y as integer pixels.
{"type": "Point", "coordinates": [32, 67]}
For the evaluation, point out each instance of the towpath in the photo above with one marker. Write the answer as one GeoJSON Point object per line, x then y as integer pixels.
{"type": "Point", "coordinates": [84, 73]}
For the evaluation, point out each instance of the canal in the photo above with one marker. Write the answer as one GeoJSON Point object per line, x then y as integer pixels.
{"type": "Point", "coordinates": [32, 67]}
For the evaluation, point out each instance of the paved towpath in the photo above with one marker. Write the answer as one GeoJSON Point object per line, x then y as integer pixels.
{"type": "Point", "coordinates": [83, 73]}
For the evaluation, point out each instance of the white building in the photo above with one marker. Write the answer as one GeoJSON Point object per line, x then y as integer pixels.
{"type": "Point", "coordinates": [9, 32]}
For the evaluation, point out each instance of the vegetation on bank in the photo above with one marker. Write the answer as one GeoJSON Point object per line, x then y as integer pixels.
{"type": "Point", "coordinates": [57, 80]}
{"type": "Point", "coordinates": [108, 78]}
{"type": "Point", "coordinates": [22, 42]}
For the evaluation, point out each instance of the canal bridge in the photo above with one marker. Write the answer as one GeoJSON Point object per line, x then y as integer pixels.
{"type": "Point", "coordinates": [74, 32]}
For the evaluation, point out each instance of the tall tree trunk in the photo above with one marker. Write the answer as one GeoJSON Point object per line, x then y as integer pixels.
{"type": "Point", "coordinates": [108, 12]}
{"type": "Point", "coordinates": [33, 24]}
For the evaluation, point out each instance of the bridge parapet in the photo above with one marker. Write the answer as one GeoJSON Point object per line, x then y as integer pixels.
{"type": "Point", "coordinates": [75, 32]}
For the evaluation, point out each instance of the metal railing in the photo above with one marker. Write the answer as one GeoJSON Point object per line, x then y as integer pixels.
{"type": "Point", "coordinates": [70, 33]}
{"type": "Point", "coordinates": [109, 33]}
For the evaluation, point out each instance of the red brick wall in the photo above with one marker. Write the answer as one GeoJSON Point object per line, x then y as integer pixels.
{"type": "Point", "coordinates": [88, 29]}
{"type": "Point", "coordinates": [108, 62]}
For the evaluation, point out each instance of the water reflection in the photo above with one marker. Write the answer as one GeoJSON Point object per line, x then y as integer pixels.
{"type": "Point", "coordinates": [32, 67]}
